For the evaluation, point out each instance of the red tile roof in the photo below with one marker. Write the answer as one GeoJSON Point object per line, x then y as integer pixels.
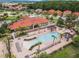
{"type": "Point", "coordinates": [45, 11]}
{"type": "Point", "coordinates": [51, 11]}
{"type": "Point", "coordinates": [27, 22]}
{"type": "Point", "coordinates": [76, 13]}
{"type": "Point", "coordinates": [68, 11]}
{"type": "Point", "coordinates": [59, 12]}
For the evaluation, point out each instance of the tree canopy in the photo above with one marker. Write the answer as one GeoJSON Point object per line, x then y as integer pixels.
{"type": "Point", "coordinates": [57, 5]}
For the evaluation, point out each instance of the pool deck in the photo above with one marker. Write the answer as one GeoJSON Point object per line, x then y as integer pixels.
{"type": "Point", "coordinates": [31, 54]}
{"type": "Point", "coordinates": [58, 46]}
{"type": "Point", "coordinates": [55, 47]}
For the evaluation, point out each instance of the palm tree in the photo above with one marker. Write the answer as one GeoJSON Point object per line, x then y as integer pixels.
{"type": "Point", "coordinates": [54, 38]}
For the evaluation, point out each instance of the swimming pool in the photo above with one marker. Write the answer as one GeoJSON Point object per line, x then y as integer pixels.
{"type": "Point", "coordinates": [42, 38]}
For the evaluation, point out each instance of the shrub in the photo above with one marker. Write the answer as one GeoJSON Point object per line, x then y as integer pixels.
{"type": "Point", "coordinates": [34, 45]}
{"type": "Point", "coordinates": [12, 56]}
{"type": "Point", "coordinates": [76, 41]}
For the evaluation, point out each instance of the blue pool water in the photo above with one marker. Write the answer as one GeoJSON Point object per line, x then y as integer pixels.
{"type": "Point", "coordinates": [43, 38]}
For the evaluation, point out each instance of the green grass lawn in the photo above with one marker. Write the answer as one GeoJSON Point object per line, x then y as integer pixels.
{"type": "Point", "coordinates": [67, 52]}
{"type": "Point", "coordinates": [12, 18]}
